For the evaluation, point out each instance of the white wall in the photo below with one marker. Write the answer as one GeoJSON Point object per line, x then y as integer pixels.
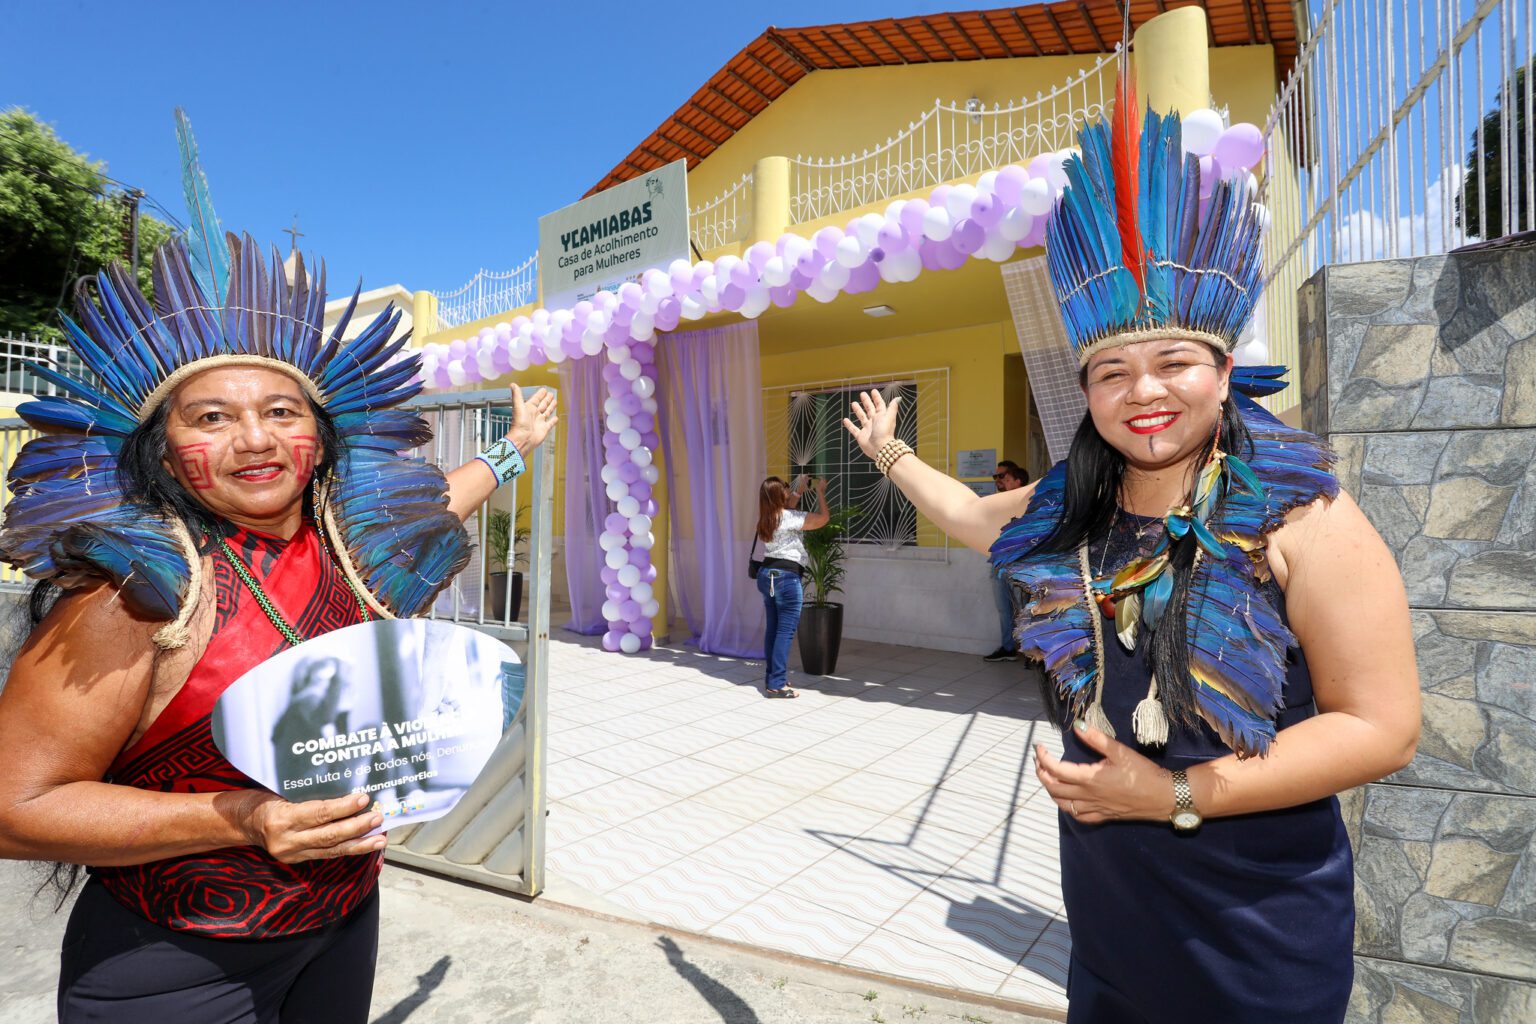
{"type": "Point", "coordinates": [916, 602]}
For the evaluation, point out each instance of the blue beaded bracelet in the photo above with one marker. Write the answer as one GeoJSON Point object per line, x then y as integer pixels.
{"type": "Point", "coordinates": [504, 460]}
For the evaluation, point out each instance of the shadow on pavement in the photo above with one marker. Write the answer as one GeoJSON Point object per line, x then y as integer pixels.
{"type": "Point", "coordinates": [731, 1007]}
{"type": "Point", "coordinates": [425, 984]}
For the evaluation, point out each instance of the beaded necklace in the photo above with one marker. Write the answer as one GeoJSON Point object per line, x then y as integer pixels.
{"type": "Point", "coordinates": [273, 616]}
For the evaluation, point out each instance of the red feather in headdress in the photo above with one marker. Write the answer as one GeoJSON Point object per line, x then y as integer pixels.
{"type": "Point", "coordinates": [1125, 158]}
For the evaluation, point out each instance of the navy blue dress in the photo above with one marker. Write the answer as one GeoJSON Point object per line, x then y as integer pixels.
{"type": "Point", "coordinates": [1250, 919]}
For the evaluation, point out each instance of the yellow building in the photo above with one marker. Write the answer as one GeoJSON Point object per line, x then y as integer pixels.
{"type": "Point", "coordinates": [811, 127]}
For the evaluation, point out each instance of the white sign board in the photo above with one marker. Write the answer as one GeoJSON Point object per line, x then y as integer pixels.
{"type": "Point", "coordinates": [614, 236]}
{"type": "Point", "coordinates": [975, 462]}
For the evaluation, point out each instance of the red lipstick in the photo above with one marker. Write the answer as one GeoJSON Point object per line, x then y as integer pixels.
{"type": "Point", "coordinates": [1151, 423]}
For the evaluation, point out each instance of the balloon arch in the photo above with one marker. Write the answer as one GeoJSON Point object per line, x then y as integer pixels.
{"type": "Point", "coordinates": [1006, 210]}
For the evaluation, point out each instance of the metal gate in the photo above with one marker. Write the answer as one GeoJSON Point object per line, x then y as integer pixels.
{"type": "Point", "coordinates": [495, 834]}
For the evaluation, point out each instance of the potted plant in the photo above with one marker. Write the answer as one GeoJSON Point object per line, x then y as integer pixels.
{"type": "Point", "coordinates": [500, 535]}
{"type": "Point", "coordinates": [821, 620]}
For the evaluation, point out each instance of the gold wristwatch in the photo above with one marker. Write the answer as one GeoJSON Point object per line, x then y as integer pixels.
{"type": "Point", "coordinates": [1184, 817]}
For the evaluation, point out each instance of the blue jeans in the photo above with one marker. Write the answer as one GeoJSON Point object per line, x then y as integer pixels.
{"type": "Point", "coordinates": [782, 597]}
{"type": "Point", "coordinates": [1002, 596]}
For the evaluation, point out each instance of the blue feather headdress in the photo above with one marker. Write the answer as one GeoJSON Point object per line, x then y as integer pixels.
{"type": "Point", "coordinates": [1132, 254]}
{"type": "Point", "coordinates": [70, 522]}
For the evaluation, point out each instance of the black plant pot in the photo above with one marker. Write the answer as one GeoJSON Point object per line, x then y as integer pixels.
{"type": "Point", "coordinates": [496, 595]}
{"type": "Point", "coordinates": [821, 634]}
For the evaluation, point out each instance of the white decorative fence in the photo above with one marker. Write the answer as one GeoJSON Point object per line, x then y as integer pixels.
{"type": "Point", "coordinates": [486, 294]}
{"type": "Point", "coordinates": [1403, 129]}
{"type": "Point", "coordinates": [16, 378]}
{"type": "Point", "coordinates": [952, 140]}
{"type": "Point", "coordinates": [725, 219]}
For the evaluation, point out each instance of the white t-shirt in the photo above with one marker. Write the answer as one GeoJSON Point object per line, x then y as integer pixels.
{"type": "Point", "coordinates": [788, 541]}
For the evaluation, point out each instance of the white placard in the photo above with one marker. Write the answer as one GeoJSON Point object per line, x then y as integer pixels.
{"type": "Point", "coordinates": [975, 462]}
{"type": "Point", "coordinates": [615, 236]}
{"type": "Point", "coordinates": [407, 711]}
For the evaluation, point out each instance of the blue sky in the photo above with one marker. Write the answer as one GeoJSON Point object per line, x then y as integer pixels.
{"type": "Point", "coordinates": [416, 142]}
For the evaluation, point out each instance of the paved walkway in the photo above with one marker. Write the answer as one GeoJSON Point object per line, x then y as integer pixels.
{"type": "Point", "coordinates": [887, 820]}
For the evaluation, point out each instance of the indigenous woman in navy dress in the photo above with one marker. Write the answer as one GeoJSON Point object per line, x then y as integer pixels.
{"type": "Point", "coordinates": [229, 481]}
{"type": "Point", "coordinates": [1225, 637]}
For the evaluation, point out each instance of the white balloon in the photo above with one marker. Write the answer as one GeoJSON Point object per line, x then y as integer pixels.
{"type": "Point", "coordinates": [958, 202]}
{"type": "Point", "coordinates": [616, 559]}
{"type": "Point", "coordinates": [866, 229]}
{"type": "Point", "coordinates": [616, 422]}
{"type": "Point", "coordinates": [486, 366]}
{"type": "Point", "coordinates": [651, 608]}
{"type": "Point", "coordinates": [1016, 223]}
{"type": "Point", "coordinates": [645, 387]}
{"type": "Point", "coordinates": [998, 248]}
{"type": "Point", "coordinates": [591, 342]}
{"type": "Point", "coordinates": [519, 347]}
{"type": "Point", "coordinates": [643, 541]}
{"type": "Point", "coordinates": [629, 643]}
{"type": "Point", "coordinates": [936, 224]}
{"type": "Point", "coordinates": [629, 575]}
{"type": "Point", "coordinates": [1251, 353]}
{"type": "Point", "coordinates": [650, 474]}
{"type": "Point", "coordinates": [776, 272]}
{"type": "Point", "coordinates": [849, 252]}
{"type": "Point", "coordinates": [608, 473]}
{"type": "Point", "coordinates": [617, 490]}
{"type": "Point", "coordinates": [642, 326]}
{"type": "Point", "coordinates": [647, 403]}
{"type": "Point", "coordinates": [641, 456]}
{"type": "Point", "coordinates": [1261, 214]}
{"type": "Point", "coordinates": [610, 611]}
{"type": "Point", "coordinates": [608, 541]}
{"type": "Point", "coordinates": [794, 248]}
{"type": "Point", "coordinates": [629, 438]}
{"type": "Point", "coordinates": [598, 321]}
{"type": "Point", "coordinates": [617, 354]}
{"type": "Point", "coordinates": [560, 318]}
{"type": "Point", "coordinates": [1200, 130]}
{"type": "Point", "coordinates": [1057, 173]}
{"type": "Point", "coordinates": [1036, 197]}
{"type": "Point", "coordinates": [693, 309]}
{"type": "Point", "coordinates": [649, 303]}
{"type": "Point", "coordinates": [657, 283]}
{"type": "Point", "coordinates": [641, 592]}
{"type": "Point", "coordinates": [553, 352]}
{"type": "Point", "coordinates": [629, 369]}
{"type": "Point", "coordinates": [519, 362]}
{"type": "Point", "coordinates": [627, 506]}
{"type": "Point", "coordinates": [986, 185]}
{"type": "Point", "coordinates": [610, 405]}
{"type": "Point", "coordinates": [821, 292]}
{"type": "Point", "coordinates": [907, 264]}
{"type": "Point", "coordinates": [709, 290]}
{"type": "Point", "coordinates": [757, 303]}
{"type": "Point", "coordinates": [834, 275]}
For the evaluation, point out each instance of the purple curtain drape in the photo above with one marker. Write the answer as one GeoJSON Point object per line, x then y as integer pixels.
{"type": "Point", "coordinates": [710, 391]}
{"type": "Point", "coordinates": [586, 503]}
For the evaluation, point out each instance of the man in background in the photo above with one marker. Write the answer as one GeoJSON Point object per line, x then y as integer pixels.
{"type": "Point", "coordinates": [1007, 477]}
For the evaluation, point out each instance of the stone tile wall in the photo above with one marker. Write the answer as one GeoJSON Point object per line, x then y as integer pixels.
{"type": "Point", "coordinates": [1422, 372]}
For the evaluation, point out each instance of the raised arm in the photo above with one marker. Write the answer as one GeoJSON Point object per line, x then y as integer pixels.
{"type": "Point", "coordinates": [472, 483]}
{"type": "Point", "coordinates": [816, 520]}
{"type": "Point", "coordinates": [73, 698]}
{"type": "Point", "coordinates": [1347, 606]}
{"type": "Point", "coordinates": [973, 520]}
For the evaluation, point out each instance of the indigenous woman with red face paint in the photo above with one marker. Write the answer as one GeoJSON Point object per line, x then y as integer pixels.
{"type": "Point", "coordinates": [229, 482]}
{"type": "Point", "coordinates": [1225, 637]}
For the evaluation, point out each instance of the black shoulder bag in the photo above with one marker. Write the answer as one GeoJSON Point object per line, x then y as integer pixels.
{"type": "Point", "coordinates": [754, 565]}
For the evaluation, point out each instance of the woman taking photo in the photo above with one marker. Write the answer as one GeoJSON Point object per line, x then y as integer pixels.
{"type": "Point", "coordinates": [1225, 637]}
{"type": "Point", "coordinates": [229, 483]}
{"type": "Point", "coordinates": [781, 530]}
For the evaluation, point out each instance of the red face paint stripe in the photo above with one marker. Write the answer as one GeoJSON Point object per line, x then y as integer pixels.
{"type": "Point", "coordinates": [194, 463]}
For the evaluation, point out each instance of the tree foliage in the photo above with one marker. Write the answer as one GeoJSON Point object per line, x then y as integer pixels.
{"type": "Point", "coordinates": [59, 220]}
{"type": "Point", "coordinates": [1488, 152]}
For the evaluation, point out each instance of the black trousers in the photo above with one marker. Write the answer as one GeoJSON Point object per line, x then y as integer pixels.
{"type": "Point", "coordinates": [118, 968]}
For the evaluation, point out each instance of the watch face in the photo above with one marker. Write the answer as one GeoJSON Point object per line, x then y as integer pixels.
{"type": "Point", "coordinates": [1186, 820]}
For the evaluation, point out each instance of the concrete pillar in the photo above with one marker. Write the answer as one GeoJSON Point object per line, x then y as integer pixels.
{"type": "Point", "coordinates": [423, 316]}
{"type": "Point", "coordinates": [1173, 68]}
{"type": "Point", "coordinates": [770, 199]}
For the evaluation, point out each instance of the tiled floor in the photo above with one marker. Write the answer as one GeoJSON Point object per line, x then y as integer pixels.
{"type": "Point", "coordinates": [886, 820]}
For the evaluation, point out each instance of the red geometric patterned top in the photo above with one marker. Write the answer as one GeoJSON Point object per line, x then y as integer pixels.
{"type": "Point", "coordinates": [240, 892]}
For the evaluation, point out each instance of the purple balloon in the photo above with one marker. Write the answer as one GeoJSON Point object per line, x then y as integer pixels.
{"type": "Point", "coordinates": [639, 557]}
{"type": "Point", "coordinates": [641, 627]}
{"type": "Point", "coordinates": [1211, 171]}
{"type": "Point", "coordinates": [645, 642]}
{"type": "Point", "coordinates": [615, 523]}
{"type": "Point", "coordinates": [938, 196]}
{"type": "Point", "coordinates": [629, 610]}
{"type": "Point", "coordinates": [987, 210]}
{"type": "Point", "coordinates": [611, 372]}
{"type": "Point", "coordinates": [572, 345]}
{"type": "Point", "coordinates": [1039, 167]}
{"type": "Point", "coordinates": [968, 236]}
{"type": "Point", "coordinates": [630, 295]}
{"type": "Point", "coordinates": [610, 641]}
{"type": "Point", "coordinates": [1010, 184]}
{"type": "Point", "coordinates": [642, 421]}
{"type": "Point", "coordinates": [1239, 148]}
{"type": "Point", "coordinates": [644, 351]}
{"type": "Point", "coordinates": [536, 356]}
{"type": "Point", "coordinates": [877, 255]}
{"type": "Point", "coordinates": [648, 574]}
{"type": "Point", "coordinates": [1036, 235]}
{"type": "Point", "coordinates": [810, 264]}
{"type": "Point", "coordinates": [891, 236]}
{"type": "Point", "coordinates": [630, 404]}
{"type": "Point", "coordinates": [622, 317]}
{"type": "Point", "coordinates": [800, 282]}
{"type": "Point", "coordinates": [440, 376]}
{"type": "Point", "coordinates": [616, 592]}
{"type": "Point", "coordinates": [953, 258]}
{"type": "Point", "coordinates": [757, 254]}
{"type": "Point", "coordinates": [501, 359]}
{"type": "Point", "coordinates": [862, 278]}
{"type": "Point", "coordinates": [743, 277]}
{"type": "Point", "coordinates": [456, 349]}
{"type": "Point", "coordinates": [912, 217]}
{"type": "Point", "coordinates": [608, 575]}
{"type": "Point", "coordinates": [640, 491]}
{"type": "Point", "coordinates": [671, 309]}
{"type": "Point", "coordinates": [649, 438]}
{"type": "Point", "coordinates": [826, 241]}
{"type": "Point", "coordinates": [732, 296]}
{"type": "Point", "coordinates": [629, 472]}
{"type": "Point", "coordinates": [783, 296]}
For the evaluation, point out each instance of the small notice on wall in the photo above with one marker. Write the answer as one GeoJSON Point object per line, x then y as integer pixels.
{"type": "Point", "coordinates": [981, 487]}
{"type": "Point", "coordinates": [975, 462]}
